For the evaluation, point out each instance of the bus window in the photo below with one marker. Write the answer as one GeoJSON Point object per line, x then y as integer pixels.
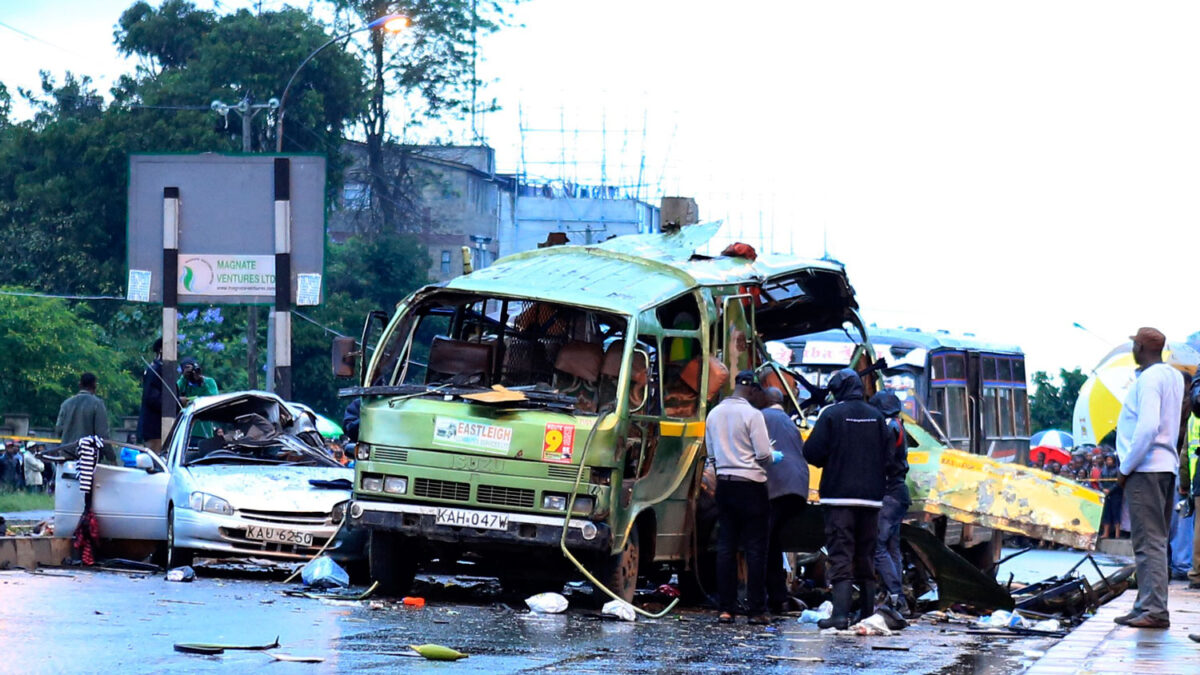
{"type": "Point", "coordinates": [990, 369]}
{"type": "Point", "coordinates": [1018, 368]}
{"type": "Point", "coordinates": [956, 413]}
{"type": "Point", "coordinates": [1021, 412]}
{"type": "Point", "coordinates": [989, 412]}
{"type": "Point", "coordinates": [1005, 406]}
{"type": "Point", "coordinates": [681, 384]}
{"type": "Point", "coordinates": [937, 368]}
{"type": "Point", "coordinates": [956, 367]}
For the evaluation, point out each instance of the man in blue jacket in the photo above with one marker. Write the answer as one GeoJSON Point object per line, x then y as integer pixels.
{"type": "Point", "coordinates": [787, 493]}
{"type": "Point", "coordinates": [896, 501]}
{"type": "Point", "coordinates": [850, 442]}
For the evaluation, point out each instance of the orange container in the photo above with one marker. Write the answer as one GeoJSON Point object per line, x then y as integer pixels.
{"type": "Point", "coordinates": [414, 602]}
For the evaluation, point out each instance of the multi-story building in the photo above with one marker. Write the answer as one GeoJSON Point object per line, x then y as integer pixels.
{"type": "Point", "coordinates": [463, 202]}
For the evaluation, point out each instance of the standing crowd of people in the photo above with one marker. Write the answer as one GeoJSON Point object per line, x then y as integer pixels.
{"type": "Point", "coordinates": [761, 465]}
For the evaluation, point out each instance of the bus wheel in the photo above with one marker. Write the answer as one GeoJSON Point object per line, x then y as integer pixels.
{"type": "Point", "coordinates": [389, 564]}
{"type": "Point", "coordinates": [619, 573]}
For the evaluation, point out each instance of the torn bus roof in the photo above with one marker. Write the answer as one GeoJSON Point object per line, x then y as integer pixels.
{"type": "Point", "coordinates": [974, 489]}
{"type": "Point", "coordinates": [631, 273]}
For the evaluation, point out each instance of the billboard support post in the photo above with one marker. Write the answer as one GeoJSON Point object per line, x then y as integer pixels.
{"type": "Point", "coordinates": [170, 311]}
{"type": "Point", "coordinates": [281, 317]}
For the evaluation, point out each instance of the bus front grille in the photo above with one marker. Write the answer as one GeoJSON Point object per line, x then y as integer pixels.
{"type": "Point", "coordinates": [563, 472]}
{"type": "Point", "coordinates": [389, 455]}
{"type": "Point", "coordinates": [504, 496]}
{"type": "Point", "coordinates": [441, 489]}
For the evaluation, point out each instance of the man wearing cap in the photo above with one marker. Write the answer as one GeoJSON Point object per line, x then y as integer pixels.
{"type": "Point", "coordinates": [193, 383]}
{"type": "Point", "coordinates": [852, 444]}
{"type": "Point", "coordinates": [1147, 432]}
{"type": "Point", "coordinates": [738, 447]}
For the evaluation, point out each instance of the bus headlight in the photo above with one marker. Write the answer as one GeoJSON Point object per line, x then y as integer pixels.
{"type": "Point", "coordinates": [553, 502]}
{"type": "Point", "coordinates": [584, 505]}
{"type": "Point", "coordinates": [372, 482]}
{"type": "Point", "coordinates": [396, 485]}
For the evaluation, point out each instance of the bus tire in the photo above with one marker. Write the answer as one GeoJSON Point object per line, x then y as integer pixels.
{"type": "Point", "coordinates": [392, 567]}
{"type": "Point", "coordinates": [619, 573]}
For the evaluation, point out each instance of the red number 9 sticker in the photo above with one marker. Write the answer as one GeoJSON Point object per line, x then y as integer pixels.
{"type": "Point", "coordinates": [558, 443]}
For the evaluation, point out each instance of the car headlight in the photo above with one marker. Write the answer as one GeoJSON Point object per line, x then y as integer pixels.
{"type": "Point", "coordinates": [554, 502]}
{"type": "Point", "coordinates": [372, 482]}
{"type": "Point", "coordinates": [338, 514]}
{"type": "Point", "coordinates": [201, 501]}
{"type": "Point", "coordinates": [396, 485]}
{"type": "Point", "coordinates": [362, 451]}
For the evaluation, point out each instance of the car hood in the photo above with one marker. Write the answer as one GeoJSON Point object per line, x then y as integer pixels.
{"type": "Point", "coordinates": [270, 488]}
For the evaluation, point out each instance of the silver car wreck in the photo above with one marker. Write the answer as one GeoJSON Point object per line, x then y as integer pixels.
{"type": "Point", "coordinates": [235, 479]}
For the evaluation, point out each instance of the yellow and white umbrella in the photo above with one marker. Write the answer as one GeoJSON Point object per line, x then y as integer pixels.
{"type": "Point", "coordinates": [1100, 398]}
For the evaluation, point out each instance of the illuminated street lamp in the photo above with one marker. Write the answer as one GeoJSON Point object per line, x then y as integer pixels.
{"type": "Point", "coordinates": [393, 23]}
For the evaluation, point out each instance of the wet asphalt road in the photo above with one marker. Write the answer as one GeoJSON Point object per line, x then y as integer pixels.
{"type": "Point", "coordinates": [113, 622]}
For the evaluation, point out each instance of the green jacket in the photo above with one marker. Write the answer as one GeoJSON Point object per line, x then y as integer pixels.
{"type": "Point", "coordinates": [81, 415]}
{"type": "Point", "coordinates": [207, 387]}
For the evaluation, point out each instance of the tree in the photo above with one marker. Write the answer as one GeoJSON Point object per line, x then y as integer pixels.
{"type": "Point", "coordinates": [432, 69]}
{"type": "Point", "coordinates": [48, 346]}
{"type": "Point", "coordinates": [1053, 406]}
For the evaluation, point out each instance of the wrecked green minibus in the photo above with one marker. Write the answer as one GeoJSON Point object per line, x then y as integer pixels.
{"type": "Point", "coordinates": [570, 378]}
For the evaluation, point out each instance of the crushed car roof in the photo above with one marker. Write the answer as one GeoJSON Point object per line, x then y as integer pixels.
{"type": "Point", "coordinates": [630, 273]}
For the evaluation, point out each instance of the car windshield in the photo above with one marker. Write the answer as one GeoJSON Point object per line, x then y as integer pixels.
{"type": "Point", "coordinates": [252, 430]}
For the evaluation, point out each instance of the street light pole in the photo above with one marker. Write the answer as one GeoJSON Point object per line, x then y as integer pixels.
{"type": "Point", "coordinates": [390, 22]}
{"type": "Point", "coordinates": [279, 330]}
{"type": "Point", "coordinates": [248, 110]}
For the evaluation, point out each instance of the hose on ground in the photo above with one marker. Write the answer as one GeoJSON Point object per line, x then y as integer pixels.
{"type": "Point", "coordinates": [562, 542]}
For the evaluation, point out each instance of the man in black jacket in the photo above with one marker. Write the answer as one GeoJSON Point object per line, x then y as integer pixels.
{"type": "Point", "coordinates": [896, 501]}
{"type": "Point", "coordinates": [850, 442]}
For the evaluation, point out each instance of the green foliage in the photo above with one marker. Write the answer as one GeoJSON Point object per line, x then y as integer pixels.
{"type": "Point", "coordinates": [63, 182]}
{"type": "Point", "coordinates": [11, 502]}
{"type": "Point", "coordinates": [1052, 406]}
{"type": "Point", "coordinates": [47, 346]}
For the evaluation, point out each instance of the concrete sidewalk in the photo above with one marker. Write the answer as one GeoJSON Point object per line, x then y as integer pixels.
{"type": "Point", "coordinates": [1101, 646]}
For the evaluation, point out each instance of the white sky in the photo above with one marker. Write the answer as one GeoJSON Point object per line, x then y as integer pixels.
{"type": "Point", "coordinates": [1004, 168]}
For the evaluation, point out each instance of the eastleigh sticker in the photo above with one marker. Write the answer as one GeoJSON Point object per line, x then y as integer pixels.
{"type": "Point", "coordinates": [461, 433]}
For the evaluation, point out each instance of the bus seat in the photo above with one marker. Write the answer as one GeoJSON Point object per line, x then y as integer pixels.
{"type": "Point", "coordinates": [461, 361]}
{"type": "Point", "coordinates": [718, 375]}
{"type": "Point", "coordinates": [581, 359]}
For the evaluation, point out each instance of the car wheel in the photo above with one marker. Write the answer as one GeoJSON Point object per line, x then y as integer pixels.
{"type": "Point", "coordinates": [620, 572]}
{"type": "Point", "coordinates": [176, 557]}
{"type": "Point", "coordinates": [390, 564]}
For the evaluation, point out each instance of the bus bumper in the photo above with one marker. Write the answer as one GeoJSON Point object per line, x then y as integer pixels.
{"type": "Point", "coordinates": [421, 521]}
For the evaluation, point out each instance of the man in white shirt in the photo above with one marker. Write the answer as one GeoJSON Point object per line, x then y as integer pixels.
{"type": "Point", "coordinates": [1147, 433]}
{"type": "Point", "coordinates": [739, 448]}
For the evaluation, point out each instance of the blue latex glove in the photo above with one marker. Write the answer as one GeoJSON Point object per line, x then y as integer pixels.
{"type": "Point", "coordinates": [776, 456]}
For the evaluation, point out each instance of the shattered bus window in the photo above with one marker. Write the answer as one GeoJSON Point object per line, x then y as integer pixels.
{"type": "Point", "coordinates": [478, 341]}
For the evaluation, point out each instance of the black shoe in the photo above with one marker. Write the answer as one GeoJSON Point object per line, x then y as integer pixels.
{"type": "Point", "coordinates": [1124, 619]}
{"type": "Point", "coordinates": [1194, 585]}
{"type": "Point", "coordinates": [866, 599]}
{"type": "Point", "coordinates": [840, 618]}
